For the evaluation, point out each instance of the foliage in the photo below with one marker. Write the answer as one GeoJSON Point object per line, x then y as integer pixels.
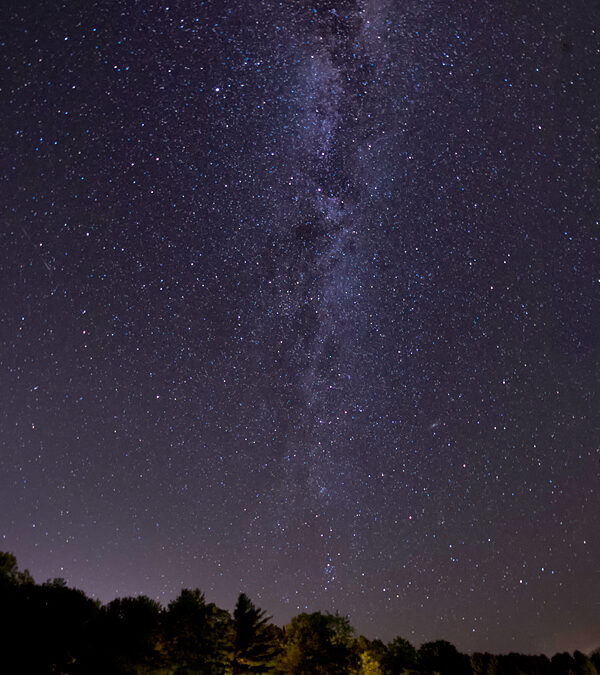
{"type": "Point", "coordinates": [9, 571]}
{"type": "Point", "coordinates": [442, 657]}
{"type": "Point", "coordinates": [47, 630]}
{"type": "Point", "coordinates": [316, 644]}
{"type": "Point", "coordinates": [518, 664]}
{"type": "Point", "coordinates": [484, 664]}
{"type": "Point", "coordinates": [198, 635]}
{"type": "Point", "coordinates": [400, 656]}
{"type": "Point", "coordinates": [131, 631]}
{"type": "Point", "coordinates": [368, 664]}
{"type": "Point", "coordinates": [255, 640]}
{"type": "Point", "coordinates": [595, 659]}
{"type": "Point", "coordinates": [50, 628]}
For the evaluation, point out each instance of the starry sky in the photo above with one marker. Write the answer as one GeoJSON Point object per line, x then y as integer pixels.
{"type": "Point", "coordinates": [300, 299]}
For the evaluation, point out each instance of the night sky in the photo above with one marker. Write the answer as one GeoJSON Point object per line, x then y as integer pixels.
{"type": "Point", "coordinates": [301, 299]}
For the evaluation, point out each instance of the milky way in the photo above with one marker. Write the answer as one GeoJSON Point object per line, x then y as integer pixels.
{"type": "Point", "coordinates": [300, 300]}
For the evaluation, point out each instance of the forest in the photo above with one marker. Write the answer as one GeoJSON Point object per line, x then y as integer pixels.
{"type": "Point", "coordinates": [51, 628]}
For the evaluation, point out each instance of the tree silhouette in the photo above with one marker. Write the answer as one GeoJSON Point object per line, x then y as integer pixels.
{"type": "Point", "coordinates": [198, 635]}
{"type": "Point", "coordinates": [563, 664]}
{"type": "Point", "coordinates": [518, 664]}
{"type": "Point", "coordinates": [255, 640]}
{"type": "Point", "coordinates": [484, 664]}
{"type": "Point", "coordinates": [442, 657]}
{"type": "Point", "coordinates": [9, 571]}
{"type": "Point", "coordinates": [316, 644]}
{"type": "Point", "coordinates": [400, 656]}
{"type": "Point", "coordinates": [130, 629]}
{"type": "Point", "coordinates": [49, 628]}
{"type": "Point", "coordinates": [584, 664]}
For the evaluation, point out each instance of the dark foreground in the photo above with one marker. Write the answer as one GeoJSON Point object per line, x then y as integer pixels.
{"type": "Point", "coordinates": [50, 628]}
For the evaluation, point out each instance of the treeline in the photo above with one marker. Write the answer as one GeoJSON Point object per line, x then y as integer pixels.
{"type": "Point", "coordinates": [51, 628]}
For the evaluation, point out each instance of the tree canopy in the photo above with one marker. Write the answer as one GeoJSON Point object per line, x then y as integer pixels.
{"type": "Point", "coordinates": [51, 628]}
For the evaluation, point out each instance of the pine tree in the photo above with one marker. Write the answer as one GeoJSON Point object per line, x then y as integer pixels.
{"type": "Point", "coordinates": [255, 644]}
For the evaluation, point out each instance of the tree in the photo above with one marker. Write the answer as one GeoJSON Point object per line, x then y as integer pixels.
{"type": "Point", "coordinates": [524, 664]}
{"type": "Point", "coordinates": [368, 656]}
{"type": "Point", "coordinates": [442, 657]}
{"type": "Point", "coordinates": [316, 644]}
{"type": "Point", "coordinates": [484, 664]}
{"type": "Point", "coordinates": [49, 630]}
{"type": "Point", "coordinates": [254, 642]}
{"type": "Point", "coordinates": [595, 659]}
{"type": "Point", "coordinates": [564, 664]}
{"type": "Point", "coordinates": [585, 666]}
{"type": "Point", "coordinates": [369, 664]}
{"type": "Point", "coordinates": [9, 571]}
{"type": "Point", "coordinates": [198, 635]}
{"type": "Point", "coordinates": [130, 630]}
{"type": "Point", "coordinates": [400, 656]}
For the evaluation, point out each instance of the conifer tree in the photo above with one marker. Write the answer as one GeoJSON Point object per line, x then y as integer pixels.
{"type": "Point", "coordinates": [255, 646]}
